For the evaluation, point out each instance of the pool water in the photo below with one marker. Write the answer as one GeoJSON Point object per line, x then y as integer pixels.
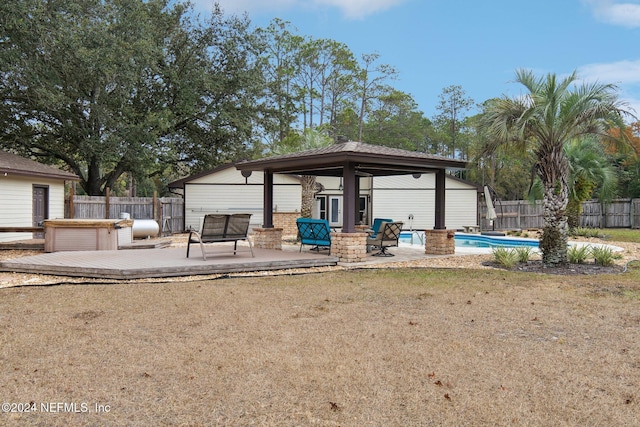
{"type": "Point", "coordinates": [464, 240]}
{"type": "Point", "coordinates": [481, 241]}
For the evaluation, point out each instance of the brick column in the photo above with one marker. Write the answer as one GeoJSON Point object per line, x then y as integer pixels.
{"type": "Point", "coordinates": [286, 221]}
{"type": "Point", "coordinates": [267, 238]}
{"type": "Point", "coordinates": [439, 242]}
{"type": "Point", "coordinates": [349, 247]}
{"type": "Point", "coordinates": [361, 228]}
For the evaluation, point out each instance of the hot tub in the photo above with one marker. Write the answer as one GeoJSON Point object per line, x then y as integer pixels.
{"type": "Point", "coordinates": [86, 234]}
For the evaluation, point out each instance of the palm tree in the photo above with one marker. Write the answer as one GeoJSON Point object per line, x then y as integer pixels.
{"type": "Point", "coordinates": [553, 113]}
{"type": "Point", "coordinates": [590, 171]}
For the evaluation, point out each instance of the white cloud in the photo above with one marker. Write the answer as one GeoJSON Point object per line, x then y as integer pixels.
{"type": "Point", "coordinates": [633, 105]}
{"type": "Point", "coordinates": [351, 9]}
{"type": "Point", "coordinates": [624, 14]}
{"type": "Point", "coordinates": [620, 73]}
{"type": "Point", "coordinates": [358, 9]}
{"type": "Point", "coordinates": [624, 74]}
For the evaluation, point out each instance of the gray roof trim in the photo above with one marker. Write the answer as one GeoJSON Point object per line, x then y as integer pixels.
{"type": "Point", "coordinates": [12, 164]}
{"type": "Point", "coordinates": [179, 183]}
{"type": "Point", "coordinates": [373, 159]}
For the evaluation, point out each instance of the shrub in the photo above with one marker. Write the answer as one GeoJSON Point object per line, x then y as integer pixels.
{"type": "Point", "coordinates": [505, 257]}
{"type": "Point", "coordinates": [604, 255]}
{"type": "Point", "coordinates": [523, 253]}
{"type": "Point", "coordinates": [578, 254]}
{"type": "Point", "coordinates": [585, 232]}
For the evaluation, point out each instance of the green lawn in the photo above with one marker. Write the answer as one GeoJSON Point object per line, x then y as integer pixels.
{"type": "Point", "coordinates": [621, 234]}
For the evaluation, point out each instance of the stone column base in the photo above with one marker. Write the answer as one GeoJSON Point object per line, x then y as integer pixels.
{"type": "Point", "coordinates": [439, 242]}
{"type": "Point", "coordinates": [349, 247]}
{"type": "Point", "coordinates": [267, 238]}
{"type": "Point", "coordinates": [362, 228]}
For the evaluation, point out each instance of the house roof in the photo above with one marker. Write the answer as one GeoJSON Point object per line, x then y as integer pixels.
{"type": "Point", "coordinates": [375, 160]}
{"type": "Point", "coordinates": [371, 160]}
{"type": "Point", "coordinates": [179, 183]}
{"type": "Point", "coordinates": [479, 188]}
{"type": "Point", "coordinates": [12, 164]}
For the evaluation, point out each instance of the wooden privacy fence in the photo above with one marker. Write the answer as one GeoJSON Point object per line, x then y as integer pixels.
{"type": "Point", "coordinates": [521, 214]}
{"type": "Point", "coordinates": [167, 211]}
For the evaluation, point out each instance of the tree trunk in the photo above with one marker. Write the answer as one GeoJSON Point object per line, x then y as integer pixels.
{"type": "Point", "coordinates": [574, 210]}
{"type": "Point", "coordinates": [92, 184]}
{"type": "Point", "coordinates": [308, 184]}
{"type": "Point", "coordinates": [553, 243]}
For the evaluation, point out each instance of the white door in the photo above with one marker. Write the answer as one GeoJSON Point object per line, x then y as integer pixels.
{"type": "Point", "coordinates": [335, 211]}
{"type": "Point", "coordinates": [320, 208]}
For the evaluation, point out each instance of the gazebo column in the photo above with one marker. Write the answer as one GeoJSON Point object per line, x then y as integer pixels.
{"type": "Point", "coordinates": [267, 201]}
{"type": "Point", "coordinates": [356, 203]}
{"type": "Point", "coordinates": [349, 198]}
{"type": "Point", "coordinates": [440, 241]}
{"type": "Point", "coordinates": [268, 236]}
{"type": "Point", "coordinates": [360, 226]}
{"type": "Point", "coordinates": [440, 200]}
{"type": "Point", "coordinates": [349, 245]}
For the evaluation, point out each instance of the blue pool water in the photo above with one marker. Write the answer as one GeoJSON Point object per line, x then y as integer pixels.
{"type": "Point", "coordinates": [464, 240]}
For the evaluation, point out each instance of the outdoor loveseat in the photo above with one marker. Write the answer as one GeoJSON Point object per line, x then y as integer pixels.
{"type": "Point", "coordinates": [221, 228]}
{"type": "Point", "coordinates": [314, 232]}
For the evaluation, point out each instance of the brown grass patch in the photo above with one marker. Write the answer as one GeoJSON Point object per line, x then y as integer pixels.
{"type": "Point", "coordinates": [370, 347]}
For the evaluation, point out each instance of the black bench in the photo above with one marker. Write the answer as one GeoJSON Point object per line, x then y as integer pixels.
{"type": "Point", "coordinates": [222, 228]}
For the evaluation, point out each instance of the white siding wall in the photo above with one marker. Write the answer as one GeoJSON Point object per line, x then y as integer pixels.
{"type": "Point", "coordinates": [399, 204]}
{"type": "Point", "coordinates": [226, 192]}
{"type": "Point", "coordinates": [396, 182]}
{"type": "Point", "coordinates": [16, 195]}
{"type": "Point", "coordinates": [56, 199]}
{"type": "Point", "coordinates": [398, 197]}
{"type": "Point", "coordinates": [394, 197]}
{"type": "Point", "coordinates": [461, 208]}
{"type": "Point", "coordinates": [331, 184]}
{"type": "Point", "coordinates": [286, 198]}
{"type": "Point", "coordinates": [221, 198]}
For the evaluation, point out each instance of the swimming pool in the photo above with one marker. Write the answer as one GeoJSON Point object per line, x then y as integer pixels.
{"type": "Point", "coordinates": [482, 241]}
{"type": "Point", "coordinates": [469, 244]}
{"type": "Point", "coordinates": [465, 240]}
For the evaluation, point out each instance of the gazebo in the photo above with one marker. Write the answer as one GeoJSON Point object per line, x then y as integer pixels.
{"type": "Point", "coordinates": [352, 160]}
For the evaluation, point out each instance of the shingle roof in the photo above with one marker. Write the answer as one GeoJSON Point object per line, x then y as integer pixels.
{"type": "Point", "coordinates": [360, 148]}
{"type": "Point", "coordinates": [12, 164]}
{"type": "Point", "coordinates": [372, 159]}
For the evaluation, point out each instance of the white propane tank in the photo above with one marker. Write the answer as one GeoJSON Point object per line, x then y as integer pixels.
{"type": "Point", "coordinates": [145, 228]}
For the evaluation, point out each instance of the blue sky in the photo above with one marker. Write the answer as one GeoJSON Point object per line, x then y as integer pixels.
{"type": "Point", "coordinates": [475, 44]}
